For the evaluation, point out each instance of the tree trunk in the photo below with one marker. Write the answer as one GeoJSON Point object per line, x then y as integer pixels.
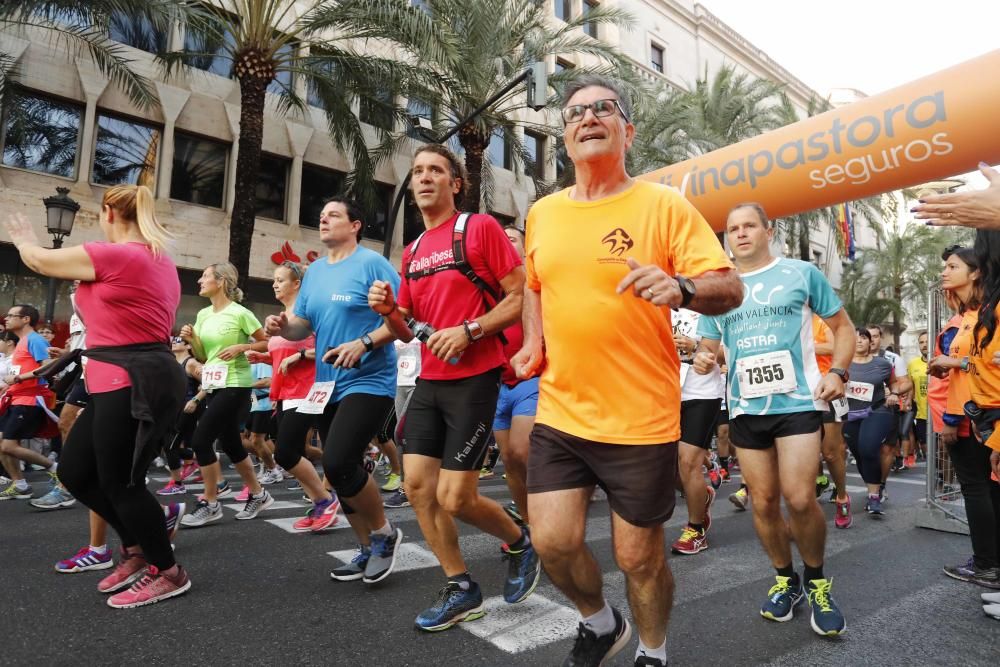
{"type": "Point", "coordinates": [475, 144]}
{"type": "Point", "coordinates": [252, 90]}
{"type": "Point", "coordinates": [897, 295]}
{"type": "Point", "coordinates": [804, 241]}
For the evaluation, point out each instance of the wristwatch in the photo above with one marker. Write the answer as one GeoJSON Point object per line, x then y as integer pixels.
{"type": "Point", "coordinates": [687, 288]}
{"type": "Point", "coordinates": [473, 330]}
{"type": "Point", "coordinates": [844, 375]}
{"type": "Point", "coordinates": [302, 354]}
{"type": "Point", "coordinates": [368, 342]}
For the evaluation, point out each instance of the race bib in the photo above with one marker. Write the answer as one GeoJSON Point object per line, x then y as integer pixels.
{"type": "Point", "coordinates": [840, 407]}
{"type": "Point", "coordinates": [254, 402]}
{"type": "Point", "coordinates": [213, 376]}
{"type": "Point", "coordinates": [766, 374]}
{"type": "Point", "coordinates": [15, 370]}
{"type": "Point", "coordinates": [860, 391]}
{"type": "Point", "coordinates": [317, 398]}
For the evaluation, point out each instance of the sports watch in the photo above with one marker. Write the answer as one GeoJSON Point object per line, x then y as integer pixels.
{"type": "Point", "coordinates": [844, 375]}
{"type": "Point", "coordinates": [687, 288]}
{"type": "Point", "coordinates": [473, 330]}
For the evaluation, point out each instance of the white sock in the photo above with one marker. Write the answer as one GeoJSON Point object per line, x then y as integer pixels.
{"type": "Point", "coordinates": [52, 468]}
{"type": "Point", "coordinates": [103, 549]}
{"type": "Point", "coordinates": [603, 622]}
{"type": "Point", "coordinates": [21, 484]}
{"type": "Point", "coordinates": [214, 506]}
{"type": "Point", "coordinates": [659, 653]}
{"type": "Point", "coordinates": [384, 531]}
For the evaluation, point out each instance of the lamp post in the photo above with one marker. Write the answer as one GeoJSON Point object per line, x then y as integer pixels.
{"type": "Point", "coordinates": [60, 213]}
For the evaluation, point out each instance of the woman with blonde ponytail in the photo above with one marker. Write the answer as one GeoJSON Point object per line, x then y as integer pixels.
{"type": "Point", "coordinates": [128, 296]}
{"type": "Point", "coordinates": [220, 338]}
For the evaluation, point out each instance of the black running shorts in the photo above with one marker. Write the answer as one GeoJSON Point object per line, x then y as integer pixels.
{"type": "Point", "coordinates": [451, 420]}
{"type": "Point", "coordinates": [21, 422]}
{"type": "Point", "coordinates": [78, 395]}
{"type": "Point", "coordinates": [761, 431]}
{"type": "Point", "coordinates": [698, 418]}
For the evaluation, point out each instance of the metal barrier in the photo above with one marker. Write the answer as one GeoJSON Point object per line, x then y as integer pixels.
{"type": "Point", "coordinates": [944, 508]}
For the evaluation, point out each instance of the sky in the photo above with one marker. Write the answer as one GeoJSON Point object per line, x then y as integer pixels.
{"type": "Point", "coordinates": [870, 45]}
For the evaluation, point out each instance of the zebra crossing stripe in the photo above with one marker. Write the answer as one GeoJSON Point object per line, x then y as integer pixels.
{"type": "Point", "coordinates": [409, 556]}
{"type": "Point", "coordinates": [516, 628]}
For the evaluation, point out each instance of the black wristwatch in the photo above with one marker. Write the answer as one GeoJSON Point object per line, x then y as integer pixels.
{"type": "Point", "coordinates": [844, 375]}
{"type": "Point", "coordinates": [369, 343]}
{"type": "Point", "coordinates": [687, 288]}
{"type": "Point", "coordinates": [302, 354]}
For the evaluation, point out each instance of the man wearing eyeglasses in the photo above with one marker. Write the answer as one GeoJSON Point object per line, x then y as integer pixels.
{"type": "Point", "coordinates": [606, 261]}
{"type": "Point", "coordinates": [24, 416]}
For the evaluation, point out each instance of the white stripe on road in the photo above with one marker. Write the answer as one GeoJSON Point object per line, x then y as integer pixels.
{"type": "Point", "coordinates": [894, 480]}
{"type": "Point", "coordinates": [408, 557]}
{"type": "Point", "coordinates": [521, 627]}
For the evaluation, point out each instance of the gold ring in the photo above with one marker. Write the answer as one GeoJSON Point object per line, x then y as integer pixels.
{"type": "Point", "coordinates": [651, 292]}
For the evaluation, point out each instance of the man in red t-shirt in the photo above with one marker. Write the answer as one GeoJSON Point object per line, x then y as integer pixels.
{"type": "Point", "coordinates": [450, 414]}
{"type": "Point", "coordinates": [24, 416]}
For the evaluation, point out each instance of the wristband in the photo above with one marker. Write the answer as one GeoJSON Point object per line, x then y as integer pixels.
{"type": "Point", "coordinates": [368, 342]}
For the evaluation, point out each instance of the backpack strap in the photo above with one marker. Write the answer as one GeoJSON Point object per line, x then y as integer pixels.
{"type": "Point", "coordinates": [462, 263]}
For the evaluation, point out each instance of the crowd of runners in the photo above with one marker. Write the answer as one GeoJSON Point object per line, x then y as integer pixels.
{"type": "Point", "coordinates": [613, 343]}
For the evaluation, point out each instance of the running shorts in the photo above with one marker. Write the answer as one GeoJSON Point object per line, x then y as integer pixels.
{"type": "Point", "coordinates": [761, 431]}
{"type": "Point", "coordinates": [521, 400]}
{"type": "Point", "coordinates": [698, 417]}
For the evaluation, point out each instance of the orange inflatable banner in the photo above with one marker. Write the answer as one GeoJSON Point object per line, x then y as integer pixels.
{"type": "Point", "coordinates": [938, 126]}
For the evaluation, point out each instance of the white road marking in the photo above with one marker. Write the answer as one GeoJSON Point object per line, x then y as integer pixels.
{"type": "Point", "coordinates": [515, 628]}
{"type": "Point", "coordinates": [409, 556]}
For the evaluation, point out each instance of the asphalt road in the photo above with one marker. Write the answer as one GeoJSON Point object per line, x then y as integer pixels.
{"type": "Point", "coordinates": [262, 596]}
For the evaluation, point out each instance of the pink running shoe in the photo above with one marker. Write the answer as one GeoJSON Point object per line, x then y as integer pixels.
{"type": "Point", "coordinates": [189, 470]}
{"type": "Point", "coordinates": [843, 517]}
{"type": "Point", "coordinates": [172, 489]}
{"type": "Point", "coordinates": [86, 559]}
{"type": "Point", "coordinates": [326, 517]}
{"type": "Point", "coordinates": [243, 495]}
{"type": "Point", "coordinates": [305, 524]}
{"type": "Point", "coordinates": [128, 570]}
{"type": "Point", "coordinates": [152, 587]}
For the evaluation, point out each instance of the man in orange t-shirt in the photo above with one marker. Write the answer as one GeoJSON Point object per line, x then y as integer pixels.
{"type": "Point", "coordinates": [606, 260]}
{"type": "Point", "coordinates": [833, 447]}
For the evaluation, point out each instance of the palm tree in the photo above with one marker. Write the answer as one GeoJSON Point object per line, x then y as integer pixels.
{"type": "Point", "coordinates": [861, 292]}
{"type": "Point", "coordinates": [480, 46]}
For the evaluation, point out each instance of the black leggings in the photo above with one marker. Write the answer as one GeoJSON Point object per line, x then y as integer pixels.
{"type": "Point", "coordinates": [222, 420]}
{"type": "Point", "coordinates": [179, 448]}
{"type": "Point", "coordinates": [293, 427]}
{"type": "Point", "coordinates": [982, 498]}
{"type": "Point", "coordinates": [96, 468]}
{"type": "Point", "coordinates": [350, 425]}
{"type": "Point", "coordinates": [865, 438]}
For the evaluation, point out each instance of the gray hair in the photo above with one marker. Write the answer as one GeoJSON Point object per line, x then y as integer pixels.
{"type": "Point", "coordinates": [598, 81]}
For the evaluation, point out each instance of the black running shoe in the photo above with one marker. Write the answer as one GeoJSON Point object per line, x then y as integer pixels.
{"type": "Point", "coordinates": [591, 650]}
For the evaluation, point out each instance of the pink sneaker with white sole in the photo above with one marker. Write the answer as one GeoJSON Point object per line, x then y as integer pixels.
{"type": "Point", "coordinates": [152, 587]}
{"type": "Point", "coordinates": [128, 570]}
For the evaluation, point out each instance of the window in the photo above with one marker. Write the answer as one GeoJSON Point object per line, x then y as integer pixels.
{"type": "Point", "coordinates": [318, 185]}
{"type": "Point", "coordinates": [125, 152]}
{"type": "Point", "coordinates": [323, 65]}
{"type": "Point", "coordinates": [656, 58]}
{"type": "Point", "coordinates": [375, 221]}
{"type": "Point", "coordinates": [562, 65]}
{"type": "Point", "coordinates": [589, 28]}
{"type": "Point", "coordinates": [562, 160]}
{"type": "Point", "coordinates": [417, 108]}
{"type": "Point", "coordinates": [563, 9]}
{"type": "Point", "coordinates": [138, 32]}
{"type": "Point", "coordinates": [41, 134]}
{"type": "Point", "coordinates": [499, 155]}
{"type": "Point", "coordinates": [377, 110]}
{"type": "Point", "coordinates": [283, 77]}
{"type": "Point", "coordinates": [272, 181]}
{"type": "Point", "coordinates": [214, 45]}
{"type": "Point", "coordinates": [534, 144]}
{"type": "Point", "coordinates": [199, 173]}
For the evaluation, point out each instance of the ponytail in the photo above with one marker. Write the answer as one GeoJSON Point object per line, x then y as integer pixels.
{"type": "Point", "coordinates": [227, 273]}
{"type": "Point", "coordinates": [135, 204]}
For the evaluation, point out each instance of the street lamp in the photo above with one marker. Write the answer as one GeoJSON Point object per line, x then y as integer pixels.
{"type": "Point", "coordinates": [60, 213]}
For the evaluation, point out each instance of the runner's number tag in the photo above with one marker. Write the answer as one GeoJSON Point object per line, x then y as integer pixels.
{"type": "Point", "coordinates": [213, 376]}
{"type": "Point", "coordinates": [317, 398]}
{"type": "Point", "coordinates": [766, 374]}
{"type": "Point", "coordinates": [254, 401]}
{"type": "Point", "coordinates": [15, 370]}
{"type": "Point", "coordinates": [840, 407]}
{"type": "Point", "coordinates": [860, 391]}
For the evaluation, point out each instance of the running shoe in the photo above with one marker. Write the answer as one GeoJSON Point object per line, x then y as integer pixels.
{"type": "Point", "coordinates": [523, 572]}
{"type": "Point", "coordinates": [188, 471]}
{"type": "Point", "coordinates": [154, 586]}
{"type": "Point", "coordinates": [782, 599]}
{"type": "Point", "coordinates": [355, 569]}
{"type": "Point", "coordinates": [988, 577]}
{"type": "Point", "coordinates": [592, 649]}
{"type": "Point", "coordinates": [833, 495]}
{"type": "Point", "coordinates": [822, 484]}
{"type": "Point", "coordinates": [648, 661]}
{"type": "Point", "coordinates": [269, 477]}
{"type": "Point", "coordinates": [826, 618]}
{"type": "Point", "coordinates": [843, 517]}
{"type": "Point", "coordinates": [285, 475]}
{"type": "Point", "coordinates": [740, 498]}
{"type": "Point", "coordinates": [304, 525]}
{"type": "Point", "coordinates": [990, 598]}
{"type": "Point", "coordinates": [203, 513]}
{"type": "Point", "coordinates": [514, 513]}
{"type": "Point", "coordinates": [883, 496]}
{"type": "Point", "coordinates": [725, 476]}
{"type": "Point", "coordinates": [255, 505]}
{"type": "Point", "coordinates": [128, 570]}
{"type": "Point", "coordinates": [397, 500]}
{"type": "Point", "coordinates": [224, 490]}
{"type": "Point", "coordinates": [713, 475]}
{"type": "Point", "coordinates": [690, 542]}
{"type": "Point", "coordinates": [897, 465]}
{"type": "Point", "coordinates": [874, 506]}
{"type": "Point", "coordinates": [325, 515]}
{"type": "Point", "coordinates": [243, 495]}
{"type": "Point", "coordinates": [296, 485]}
{"type": "Point", "coordinates": [57, 498]}
{"type": "Point", "coordinates": [172, 489]}
{"type": "Point", "coordinates": [709, 499]}
{"type": "Point", "coordinates": [86, 559]}
{"type": "Point", "coordinates": [13, 493]}
{"type": "Point", "coordinates": [992, 610]}
{"type": "Point", "coordinates": [392, 483]}
{"type": "Point", "coordinates": [383, 556]}
{"type": "Point", "coordinates": [173, 514]}
{"type": "Point", "coordinates": [453, 605]}
{"type": "Point", "coordinates": [486, 473]}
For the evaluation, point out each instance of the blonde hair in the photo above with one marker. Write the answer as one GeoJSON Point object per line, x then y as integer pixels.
{"type": "Point", "coordinates": [135, 204]}
{"type": "Point", "coordinates": [227, 273]}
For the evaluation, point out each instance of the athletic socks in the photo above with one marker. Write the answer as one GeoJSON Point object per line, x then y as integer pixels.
{"type": "Point", "coordinates": [812, 573]}
{"type": "Point", "coordinates": [21, 484]}
{"type": "Point", "coordinates": [724, 463]}
{"type": "Point", "coordinates": [103, 549]}
{"type": "Point", "coordinates": [384, 531]}
{"type": "Point", "coordinates": [700, 527]}
{"type": "Point", "coordinates": [601, 623]}
{"type": "Point", "coordinates": [788, 571]}
{"type": "Point", "coordinates": [659, 653]}
{"type": "Point", "coordinates": [463, 580]}
{"type": "Point", "coordinates": [522, 543]}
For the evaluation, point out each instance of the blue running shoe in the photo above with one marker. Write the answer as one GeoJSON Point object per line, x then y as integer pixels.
{"type": "Point", "coordinates": [453, 605]}
{"type": "Point", "coordinates": [523, 573]}
{"type": "Point", "coordinates": [781, 600]}
{"type": "Point", "coordinates": [382, 557]}
{"type": "Point", "coordinates": [874, 506]}
{"type": "Point", "coordinates": [57, 498]}
{"type": "Point", "coordinates": [826, 617]}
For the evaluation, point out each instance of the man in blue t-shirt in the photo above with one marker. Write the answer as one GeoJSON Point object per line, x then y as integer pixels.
{"type": "Point", "coordinates": [355, 377]}
{"type": "Point", "coordinates": [777, 397]}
